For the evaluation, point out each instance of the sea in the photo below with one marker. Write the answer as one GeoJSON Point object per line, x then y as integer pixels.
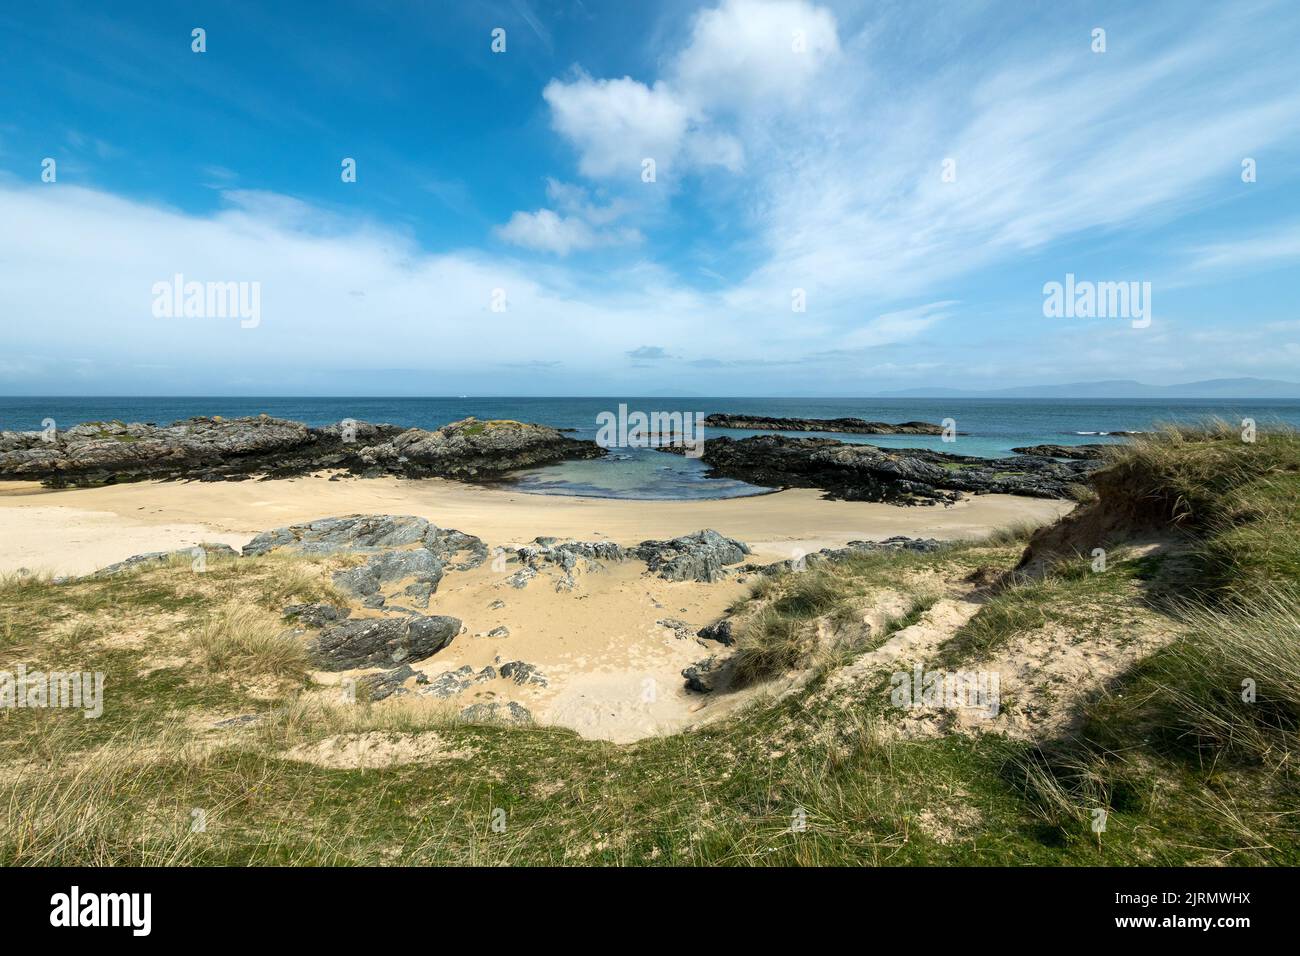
{"type": "Point", "coordinates": [987, 427]}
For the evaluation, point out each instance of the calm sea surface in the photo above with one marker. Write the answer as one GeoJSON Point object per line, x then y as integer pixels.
{"type": "Point", "coordinates": [993, 426]}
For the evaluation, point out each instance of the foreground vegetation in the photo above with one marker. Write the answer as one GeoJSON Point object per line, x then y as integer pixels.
{"type": "Point", "coordinates": [1184, 766]}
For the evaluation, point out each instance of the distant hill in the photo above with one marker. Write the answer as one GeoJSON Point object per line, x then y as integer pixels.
{"type": "Point", "coordinates": [1210, 388]}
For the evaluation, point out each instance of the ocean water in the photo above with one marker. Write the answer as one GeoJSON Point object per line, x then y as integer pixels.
{"type": "Point", "coordinates": [992, 427]}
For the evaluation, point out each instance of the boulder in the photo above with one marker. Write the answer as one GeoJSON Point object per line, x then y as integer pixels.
{"type": "Point", "coordinates": [700, 556]}
{"type": "Point", "coordinates": [382, 642]}
{"type": "Point", "coordinates": [495, 712]}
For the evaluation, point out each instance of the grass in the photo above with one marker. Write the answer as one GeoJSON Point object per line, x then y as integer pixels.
{"type": "Point", "coordinates": [250, 642]}
{"type": "Point", "coordinates": [1184, 770]}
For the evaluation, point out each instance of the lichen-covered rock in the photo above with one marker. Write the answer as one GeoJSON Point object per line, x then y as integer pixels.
{"type": "Point", "coordinates": [720, 631]}
{"type": "Point", "coordinates": [390, 566]}
{"type": "Point", "coordinates": [471, 448]}
{"type": "Point", "coordinates": [389, 683]}
{"type": "Point", "coordinates": [209, 552]}
{"type": "Point", "coordinates": [862, 472]}
{"type": "Point", "coordinates": [317, 614]}
{"type": "Point", "coordinates": [701, 556]}
{"type": "Point", "coordinates": [848, 426]}
{"type": "Point", "coordinates": [216, 449]}
{"type": "Point", "coordinates": [344, 534]}
{"type": "Point", "coordinates": [522, 673]}
{"type": "Point", "coordinates": [495, 712]}
{"type": "Point", "coordinates": [382, 642]}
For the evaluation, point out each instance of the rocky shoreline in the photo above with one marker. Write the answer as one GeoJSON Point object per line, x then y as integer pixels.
{"type": "Point", "coordinates": [218, 449]}
{"type": "Point", "coordinates": [847, 426]}
{"type": "Point", "coordinates": [859, 472]}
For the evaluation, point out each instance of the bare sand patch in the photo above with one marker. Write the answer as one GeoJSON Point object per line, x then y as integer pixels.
{"type": "Point", "coordinates": [376, 749]}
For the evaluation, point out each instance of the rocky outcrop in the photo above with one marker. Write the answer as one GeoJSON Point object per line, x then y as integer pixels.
{"type": "Point", "coordinates": [701, 556]}
{"type": "Point", "coordinates": [861, 472]}
{"type": "Point", "coordinates": [522, 673]}
{"type": "Point", "coordinates": [389, 683]}
{"type": "Point", "coordinates": [712, 673]}
{"type": "Point", "coordinates": [217, 449]}
{"type": "Point", "coordinates": [197, 557]}
{"type": "Point", "coordinates": [853, 548]}
{"type": "Point", "coordinates": [381, 641]}
{"type": "Point", "coordinates": [1075, 452]}
{"type": "Point", "coordinates": [402, 548]}
{"type": "Point", "coordinates": [451, 683]}
{"type": "Point", "coordinates": [318, 614]}
{"type": "Point", "coordinates": [561, 559]}
{"type": "Point", "coordinates": [496, 712]}
{"type": "Point", "coordinates": [722, 631]}
{"type": "Point", "coordinates": [848, 426]}
{"type": "Point", "coordinates": [474, 449]}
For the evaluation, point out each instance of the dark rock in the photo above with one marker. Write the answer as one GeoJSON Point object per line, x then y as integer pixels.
{"type": "Point", "coordinates": [419, 593]}
{"type": "Point", "coordinates": [832, 555]}
{"type": "Point", "coordinates": [243, 720]}
{"type": "Point", "coordinates": [385, 685]}
{"type": "Point", "coordinates": [473, 449]}
{"type": "Point", "coordinates": [381, 642]}
{"type": "Point", "coordinates": [218, 449]}
{"type": "Point", "coordinates": [360, 533]}
{"type": "Point", "coordinates": [849, 426]}
{"type": "Point", "coordinates": [391, 566]}
{"type": "Point", "coordinates": [704, 676]}
{"type": "Point", "coordinates": [861, 472]}
{"type": "Point", "coordinates": [318, 614]}
{"type": "Point", "coordinates": [681, 630]}
{"type": "Point", "coordinates": [693, 557]}
{"type": "Point", "coordinates": [450, 683]}
{"type": "Point", "coordinates": [495, 712]}
{"type": "Point", "coordinates": [720, 631]}
{"type": "Point", "coordinates": [1077, 452]}
{"type": "Point", "coordinates": [501, 631]}
{"type": "Point", "coordinates": [522, 673]}
{"type": "Point", "coordinates": [521, 578]}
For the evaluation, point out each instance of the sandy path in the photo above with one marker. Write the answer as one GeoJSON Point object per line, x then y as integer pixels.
{"type": "Point", "coordinates": [76, 530]}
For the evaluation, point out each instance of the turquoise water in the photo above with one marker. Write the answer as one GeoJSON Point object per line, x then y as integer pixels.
{"type": "Point", "coordinates": [993, 426]}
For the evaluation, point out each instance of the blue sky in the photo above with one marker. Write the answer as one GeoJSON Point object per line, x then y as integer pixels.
{"type": "Point", "coordinates": [797, 145]}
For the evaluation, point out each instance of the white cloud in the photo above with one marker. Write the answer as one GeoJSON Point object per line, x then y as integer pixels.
{"type": "Point", "coordinates": [615, 124]}
{"type": "Point", "coordinates": [752, 54]}
{"type": "Point", "coordinates": [548, 231]}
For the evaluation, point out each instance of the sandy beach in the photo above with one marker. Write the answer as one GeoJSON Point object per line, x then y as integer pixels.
{"type": "Point", "coordinates": [612, 665]}
{"type": "Point", "coordinates": [75, 531]}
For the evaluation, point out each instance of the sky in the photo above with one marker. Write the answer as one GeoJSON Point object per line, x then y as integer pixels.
{"type": "Point", "coordinates": [847, 197]}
